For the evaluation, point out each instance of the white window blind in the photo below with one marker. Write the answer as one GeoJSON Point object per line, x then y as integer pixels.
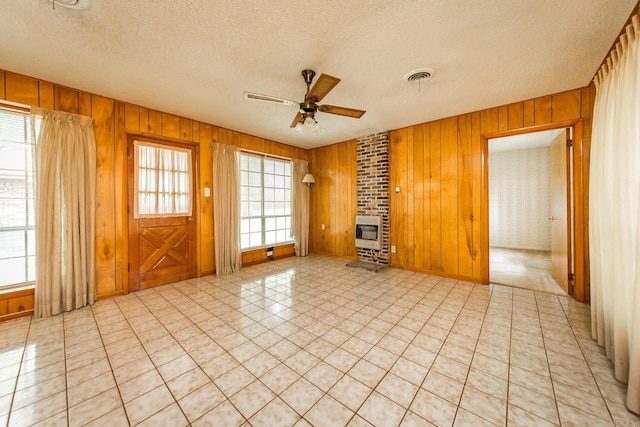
{"type": "Point", "coordinates": [162, 181]}
{"type": "Point", "coordinates": [265, 201]}
{"type": "Point", "coordinates": [17, 215]}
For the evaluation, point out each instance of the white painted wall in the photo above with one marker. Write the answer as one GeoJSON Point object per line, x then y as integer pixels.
{"type": "Point", "coordinates": [520, 199]}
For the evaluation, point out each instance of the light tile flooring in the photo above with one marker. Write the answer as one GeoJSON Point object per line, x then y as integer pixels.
{"type": "Point", "coordinates": [311, 342]}
{"type": "Point", "coordinates": [523, 269]}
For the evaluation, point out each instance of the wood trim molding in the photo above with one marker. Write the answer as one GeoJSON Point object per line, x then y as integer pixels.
{"type": "Point", "coordinates": [577, 200]}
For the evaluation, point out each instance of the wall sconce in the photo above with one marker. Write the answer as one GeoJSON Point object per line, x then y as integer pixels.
{"type": "Point", "coordinates": [309, 179]}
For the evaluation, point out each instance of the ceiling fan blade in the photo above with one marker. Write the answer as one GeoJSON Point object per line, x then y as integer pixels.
{"type": "Point", "coordinates": [296, 120]}
{"type": "Point", "coordinates": [268, 98]}
{"type": "Point", "coordinates": [322, 87]}
{"type": "Point", "coordinates": [341, 111]}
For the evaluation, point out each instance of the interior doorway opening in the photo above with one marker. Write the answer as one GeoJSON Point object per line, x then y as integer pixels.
{"type": "Point", "coordinates": [529, 211]}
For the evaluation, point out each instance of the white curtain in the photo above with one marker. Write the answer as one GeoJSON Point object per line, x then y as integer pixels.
{"type": "Point", "coordinates": [226, 209]}
{"type": "Point", "coordinates": [162, 181]}
{"type": "Point", "coordinates": [300, 208]}
{"type": "Point", "coordinates": [65, 181]}
{"type": "Point", "coordinates": [614, 212]}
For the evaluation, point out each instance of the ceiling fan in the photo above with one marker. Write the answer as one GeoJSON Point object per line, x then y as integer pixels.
{"type": "Point", "coordinates": [309, 107]}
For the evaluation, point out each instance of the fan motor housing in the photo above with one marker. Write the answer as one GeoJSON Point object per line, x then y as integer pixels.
{"type": "Point", "coordinates": [308, 107]}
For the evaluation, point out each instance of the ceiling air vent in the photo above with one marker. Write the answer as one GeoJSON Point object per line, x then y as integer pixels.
{"type": "Point", "coordinates": [420, 75]}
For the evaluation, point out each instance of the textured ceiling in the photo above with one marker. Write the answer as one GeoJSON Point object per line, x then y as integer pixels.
{"type": "Point", "coordinates": [195, 58]}
{"type": "Point", "coordinates": [523, 141]}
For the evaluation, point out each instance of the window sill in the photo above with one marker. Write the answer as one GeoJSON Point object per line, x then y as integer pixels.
{"type": "Point", "coordinates": [16, 291]}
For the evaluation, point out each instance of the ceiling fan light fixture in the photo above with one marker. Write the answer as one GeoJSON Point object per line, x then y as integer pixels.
{"type": "Point", "coordinates": [308, 125]}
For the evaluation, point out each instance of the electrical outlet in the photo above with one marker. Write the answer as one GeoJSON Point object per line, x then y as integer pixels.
{"type": "Point", "coordinates": [393, 249]}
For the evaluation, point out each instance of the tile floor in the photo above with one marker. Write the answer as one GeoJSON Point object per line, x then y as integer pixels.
{"type": "Point", "coordinates": [523, 269]}
{"type": "Point", "coordinates": [310, 342]}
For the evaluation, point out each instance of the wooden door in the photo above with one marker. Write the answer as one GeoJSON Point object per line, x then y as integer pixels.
{"type": "Point", "coordinates": [161, 249]}
{"type": "Point", "coordinates": [560, 220]}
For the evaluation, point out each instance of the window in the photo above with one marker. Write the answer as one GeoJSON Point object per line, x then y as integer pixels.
{"type": "Point", "coordinates": [265, 201]}
{"type": "Point", "coordinates": [17, 215]}
{"type": "Point", "coordinates": [162, 181]}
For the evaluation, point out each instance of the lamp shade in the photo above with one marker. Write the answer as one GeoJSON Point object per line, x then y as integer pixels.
{"type": "Point", "coordinates": [309, 179]}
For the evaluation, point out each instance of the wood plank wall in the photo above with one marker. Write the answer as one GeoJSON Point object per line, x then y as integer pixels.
{"type": "Point", "coordinates": [436, 218]}
{"type": "Point", "coordinates": [333, 200]}
{"type": "Point", "coordinates": [112, 121]}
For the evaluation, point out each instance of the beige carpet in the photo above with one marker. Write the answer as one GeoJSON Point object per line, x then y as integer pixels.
{"type": "Point", "coordinates": [523, 269]}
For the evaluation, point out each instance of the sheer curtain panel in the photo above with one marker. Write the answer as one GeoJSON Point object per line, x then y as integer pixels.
{"type": "Point", "coordinates": [300, 208]}
{"type": "Point", "coordinates": [614, 212]}
{"type": "Point", "coordinates": [226, 210]}
{"type": "Point", "coordinates": [65, 165]}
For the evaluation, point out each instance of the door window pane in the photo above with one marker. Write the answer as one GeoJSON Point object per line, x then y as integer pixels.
{"type": "Point", "coordinates": [163, 180]}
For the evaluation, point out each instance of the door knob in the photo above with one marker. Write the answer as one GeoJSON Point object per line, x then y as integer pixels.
{"type": "Point", "coordinates": [190, 219]}
{"type": "Point", "coordinates": [553, 218]}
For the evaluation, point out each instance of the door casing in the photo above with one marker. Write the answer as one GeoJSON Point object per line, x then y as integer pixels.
{"type": "Point", "coordinates": [127, 188]}
{"type": "Point", "coordinates": [577, 202]}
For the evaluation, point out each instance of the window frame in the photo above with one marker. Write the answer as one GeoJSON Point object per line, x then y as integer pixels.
{"type": "Point", "coordinates": [263, 217]}
{"type": "Point", "coordinates": [29, 252]}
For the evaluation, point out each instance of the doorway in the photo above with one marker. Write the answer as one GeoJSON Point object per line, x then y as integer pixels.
{"type": "Point", "coordinates": [162, 211]}
{"type": "Point", "coordinates": [529, 244]}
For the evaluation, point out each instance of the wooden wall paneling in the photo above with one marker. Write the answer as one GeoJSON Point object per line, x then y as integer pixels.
{"type": "Point", "coordinates": [476, 179]}
{"type": "Point", "coordinates": [503, 117]}
{"type": "Point", "coordinates": [195, 132]}
{"type": "Point", "coordinates": [419, 184]}
{"type": "Point", "coordinates": [410, 258]}
{"type": "Point", "coordinates": [516, 115]}
{"type": "Point", "coordinates": [334, 210]}
{"type": "Point", "coordinates": [246, 142]}
{"type": "Point", "coordinates": [267, 146]}
{"type": "Point", "coordinates": [45, 90]}
{"type": "Point", "coordinates": [170, 126]}
{"type": "Point", "coordinates": [490, 121]}
{"type": "Point", "coordinates": [542, 108]}
{"type": "Point", "coordinates": [132, 117]}
{"type": "Point", "coordinates": [155, 122]}
{"type": "Point", "coordinates": [144, 120]}
{"type": "Point", "coordinates": [2, 92]}
{"type": "Point", "coordinates": [529, 115]}
{"type": "Point", "coordinates": [342, 195]}
{"type": "Point", "coordinates": [566, 106]}
{"type": "Point", "coordinates": [465, 197]}
{"type": "Point", "coordinates": [313, 205]}
{"type": "Point", "coordinates": [393, 200]}
{"type": "Point", "coordinates": [85, 103]}
{"type": "Point", "coordinates": [398, 220]}
{"type": "Point", "coordinates": [120, 203]}
{"type": "Point", "coordinates": [103, 113]}
{"type": "Point", "coordinates": [21, 89]}
{"type": "Point", "coordinates": [258, 144]}
{"type": "Point", "coordinates": [587, 112]}
{"type": "Point", "coordinates": [450, 212]}
{"type": "Point", "coordinates": [322, 187]}
{"type": "Point", "coordinates": [426, 196]}
{"type": "Point", "coordinates": [435, 130]}
{"type": "Point", "coordinates": [186, 129]}
{"type": "Point", "coordinates": [66, 99]}
{"type": "Point", "coordinates": [207, 257]}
